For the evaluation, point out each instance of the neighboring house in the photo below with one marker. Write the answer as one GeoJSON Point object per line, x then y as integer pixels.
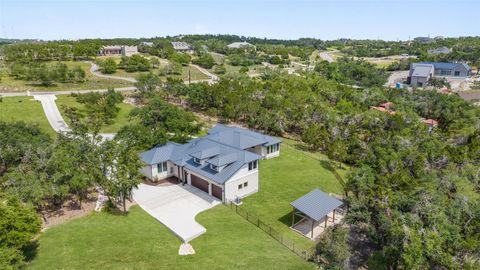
{"type": "Point", "coordinates": [240, 45]}
{"type": "Point", "coordinates": [119, 50]}
{"type": "Point", "coordinates": [223, 163]}
{"type": "Point", "coordinates": [183, 47]}
{"type": "Point", "coordinates": [420, 73]}
{"type": "Point", "coordinates": [425, 40]}
{"type": "Point", "coordinates": [147, 43]}
{"type": "Point", "coordinates": [440, 50]}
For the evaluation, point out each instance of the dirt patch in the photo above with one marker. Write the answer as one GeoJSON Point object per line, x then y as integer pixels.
{"type": "Point", "coordinates": [69, 210]}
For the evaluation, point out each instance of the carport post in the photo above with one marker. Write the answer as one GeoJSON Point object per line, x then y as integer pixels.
{"type": "Point", "coordinates": [313, 222]}
{"type": "Point", "coordinates": [326, 219]}
{"type": "Point", "coordinates": [333, 215]}
{"type": "Point", "coordinates": [293, 216]}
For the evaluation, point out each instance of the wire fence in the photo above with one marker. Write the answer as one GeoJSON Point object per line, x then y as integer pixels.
{"type": "Point", "coordinates": [305, 254]}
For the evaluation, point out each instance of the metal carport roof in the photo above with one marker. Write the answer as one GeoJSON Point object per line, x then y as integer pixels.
{"type": "Point", "coordinates": [316, 204]}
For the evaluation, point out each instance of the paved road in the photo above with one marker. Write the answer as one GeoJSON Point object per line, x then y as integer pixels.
{"type": "Point", "coordinates": [94, 70]}
{"type": "Point", "coordinates": [62, 92]}
{"type": "Point", "coordinates": [327, 57]}
{"type": "Point", "coordinates": [175, 206]}
{"type": "Point", "coordinates": [55, 118]}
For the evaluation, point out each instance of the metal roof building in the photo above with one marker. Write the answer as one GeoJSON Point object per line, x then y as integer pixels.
{"type": "Point", "coordinates": [314, 206]}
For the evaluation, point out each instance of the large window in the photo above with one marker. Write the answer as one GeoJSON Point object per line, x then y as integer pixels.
{"type": "Point", "coordinates": [162, 167]}
{"type": "Point", "coordinates": [273, 148]}
{"type": "Point", "coordinates": [445, 72]}
{"type": "Point", "coordinates": [252, 165]}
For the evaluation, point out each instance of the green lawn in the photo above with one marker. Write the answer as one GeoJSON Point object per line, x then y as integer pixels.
{"type": "Point", "coordinates": [137, 241]}
{"type": "Point", "coordinates": [284, 179]}
{"type": "Point", "coordinates": [118, 122]}
{"type": "Point", "coordinates": [9, 84]}
{"type": "Point", "coordinates": [25, 109]}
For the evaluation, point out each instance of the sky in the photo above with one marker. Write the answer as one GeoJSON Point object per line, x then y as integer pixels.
{"type": "Point", "coordinates": [283, 19]}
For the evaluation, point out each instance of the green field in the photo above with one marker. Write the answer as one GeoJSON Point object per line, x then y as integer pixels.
{"type": "Point", "coordinates": [121, 120]}
{"type": "Point", "coordinates": [9, 84]}
{"type": "Point", "coordinates": [138, 241]}
{"type": "Point", "coordinates": [286, 178]}
{"type": "Point", "coordinates": [25, 109]}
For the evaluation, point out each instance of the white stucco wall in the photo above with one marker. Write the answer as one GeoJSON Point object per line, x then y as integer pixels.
{"type": "Point", "coordinates": [241, 176]}
{"type": "Point", "coordinates": [154, 171]}
{"type": "Point", "coordinates": [147, 171]}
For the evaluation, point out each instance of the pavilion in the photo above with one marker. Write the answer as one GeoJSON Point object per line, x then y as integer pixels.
{"type": "Point", "coordinates": [315, 208]}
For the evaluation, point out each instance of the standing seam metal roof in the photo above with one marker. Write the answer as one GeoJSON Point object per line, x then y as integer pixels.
{"type": "Point", "coordinates": [316, 204]}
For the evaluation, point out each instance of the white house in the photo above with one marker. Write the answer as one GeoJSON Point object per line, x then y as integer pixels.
{"type": "Point", "coordinates": [240, 45]}
{"type": "Point", "coordinates": [223, 163]}
{"type": "Point", "coordinates": [182, 47]}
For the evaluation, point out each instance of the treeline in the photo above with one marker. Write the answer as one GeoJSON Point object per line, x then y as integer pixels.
{"type": "Point", "coordinates": [413, 191]}
{"type": "Point", "coordinates": [47, 74]}
{"type": "Point", "coordinates": [352, 72]}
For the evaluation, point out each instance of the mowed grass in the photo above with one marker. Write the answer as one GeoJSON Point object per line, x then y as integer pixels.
{"type": "Point", "coordinates": [122, 119]}
{"type": "Point", "coordinates": [9, 84]}
{"type": "Point", "coordinates": [26, 109]}
{"type": "Point", "coordinates": [138, 241]}
{"type": "Point", "coordinates": [286, 178]}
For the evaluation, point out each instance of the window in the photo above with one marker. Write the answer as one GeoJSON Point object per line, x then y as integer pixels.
{"type": "Point", "coordinates": [215, 168]}
{"type": "Point", "coordinates": [252, 165]}
{"type": "Point", "coordinates": [445, 72]}
{"type": "Point", "coordinates": [245, 184]}
{"type": "Point", "coordinates": [457, 73]}
{"type": "Point", "coordinates": [240, 186]}
{"type": "Point", "coordinates": [162, 167]}
{"type": "Point", "coordinates": [272, 148]}
{"type": "Point", "coordinates": [171, 169]}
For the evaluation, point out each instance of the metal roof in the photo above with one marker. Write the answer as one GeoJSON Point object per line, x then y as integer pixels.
{"type": "Point", "coordinates": [221, 160]}
{"type": "Point", "coordinates": [316, 204]}
{"type": "Point", "coordinates": [422, 70]}
{"type": "Point", "coordinates": [206, 153]}
{"type": "Point", "coordinates": [182, 155]}
{"type": "Point", "coordinates": [240, 137]}
{"type": "Point", "coordinates": [443, 65]}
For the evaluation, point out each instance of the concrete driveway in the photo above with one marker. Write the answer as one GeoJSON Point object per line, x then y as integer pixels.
{"type": "Point", "coordinates": [175, 206]}
{"type": "Point", "coordinates": [51, 111]}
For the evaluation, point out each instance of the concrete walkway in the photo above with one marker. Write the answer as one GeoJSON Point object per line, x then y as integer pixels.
{"type": "Point", "coordinates": [175, 206]}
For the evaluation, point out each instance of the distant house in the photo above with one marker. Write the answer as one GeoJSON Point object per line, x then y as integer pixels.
{"type": "Point", "coordinates": [147, 44]}
{"type": "Point", "coordinates": [420, 73]}
{"type": "Point", "coordinates": [425, 40]}
{"type": "Point", "coordinates": [439, 50]}
{"type": "Point", "coordinates": [118, 50]}
{"type": "Point", "coordinates": [182, 47]}
{"type": "Point", "coordinates": [240, 45]}
{"type": "Point", "coordinates": [223, 163]}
